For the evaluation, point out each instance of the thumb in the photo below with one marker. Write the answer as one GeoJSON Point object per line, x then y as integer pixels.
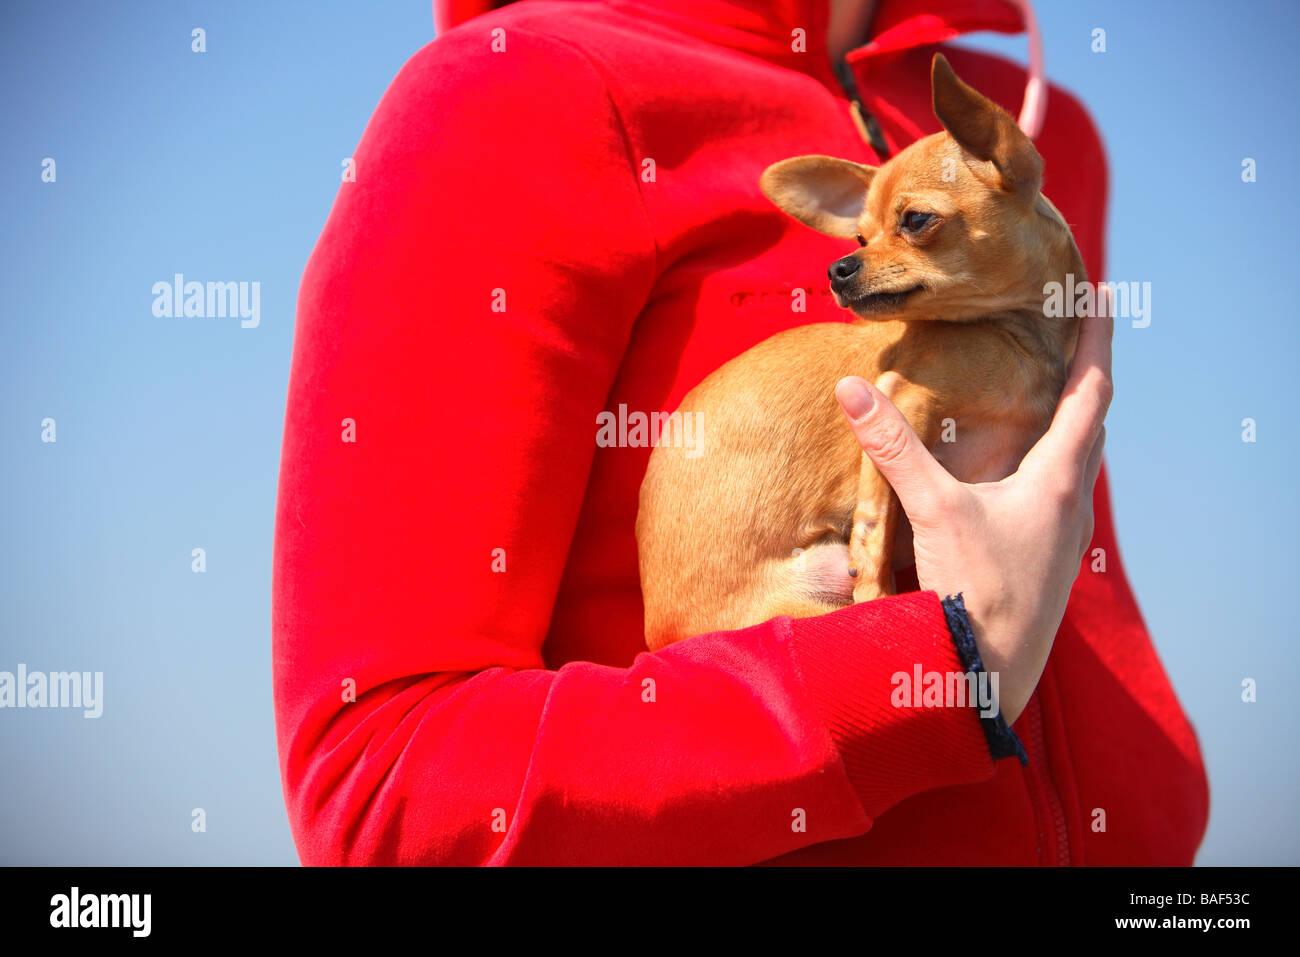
{"type": "Point", "coordinates": [887, 438]}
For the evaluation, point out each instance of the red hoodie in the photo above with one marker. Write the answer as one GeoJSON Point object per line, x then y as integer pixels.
{"type": "Point", "coordinates": [556, 213]}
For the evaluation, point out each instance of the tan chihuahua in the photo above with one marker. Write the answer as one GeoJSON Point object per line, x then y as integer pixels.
{"type": "Point", "coordinates": [783, 514]}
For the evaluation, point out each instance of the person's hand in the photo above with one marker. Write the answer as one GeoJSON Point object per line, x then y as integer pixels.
{"type": "Point", "coordinates": [1012, 547]}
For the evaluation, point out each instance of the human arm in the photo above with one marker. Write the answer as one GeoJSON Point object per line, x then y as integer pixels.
{"type": "Point", "coordinates": [416, 717]}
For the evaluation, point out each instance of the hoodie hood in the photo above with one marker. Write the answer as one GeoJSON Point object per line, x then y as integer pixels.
{"type": "Point", "coordinates": [898, 26]}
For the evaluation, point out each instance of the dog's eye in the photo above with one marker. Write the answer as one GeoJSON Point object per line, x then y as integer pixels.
{"type": "Point", "coordinates": [915, 222]}
{"type": "Point", "coordinates": [861, 241]}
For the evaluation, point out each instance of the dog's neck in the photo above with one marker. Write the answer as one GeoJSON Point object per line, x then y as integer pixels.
{"type": "Point", "coordinates": [1035, 335]}
{"type": "Point", "coordinates": [1028, 327]}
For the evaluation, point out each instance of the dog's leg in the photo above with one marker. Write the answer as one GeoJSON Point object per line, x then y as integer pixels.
{"type": "Point", "coordinates": [871, 545]}
{"type": "Point", "coordinates": [876, 517]}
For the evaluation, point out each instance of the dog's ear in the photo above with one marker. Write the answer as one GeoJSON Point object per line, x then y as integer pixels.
{"type": "Point", "coordinates": [820, 191]}
{"type": "Point", "coordinates": [985, 130]}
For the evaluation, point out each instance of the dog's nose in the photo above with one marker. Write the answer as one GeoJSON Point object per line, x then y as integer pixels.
{"type": "Point", "coordinates": [842, 270]}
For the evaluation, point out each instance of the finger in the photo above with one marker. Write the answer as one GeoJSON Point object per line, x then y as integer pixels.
{"type": "Point", "coordinates": [1090, 473]}
{"type": "Point", "coordinates": [888, 439]}
{"type": "Point", "coordinates": [1093, 468]}
{"type": "Point", "coordinates": [1084, 400]}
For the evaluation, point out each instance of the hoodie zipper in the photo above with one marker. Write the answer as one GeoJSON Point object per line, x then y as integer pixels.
{"type": "Point", "coordinates": [1046, 787]}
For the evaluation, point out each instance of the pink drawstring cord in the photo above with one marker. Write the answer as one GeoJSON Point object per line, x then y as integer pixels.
{"type": "Point", "coordinates": [1034, 107]}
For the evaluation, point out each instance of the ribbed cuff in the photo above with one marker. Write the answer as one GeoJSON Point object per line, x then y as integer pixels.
{"type": "Point", "coordinates": [1003, 742]}
{"type": "Point", "coordinates": [860, 665]}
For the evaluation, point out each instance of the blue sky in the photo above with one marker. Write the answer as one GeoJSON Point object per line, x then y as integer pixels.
{"type": "Point", "coordinates": [224, 166]}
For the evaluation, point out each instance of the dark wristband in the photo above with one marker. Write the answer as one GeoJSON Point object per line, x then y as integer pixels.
{"type": "Point", "coordinates": [1003, 742]}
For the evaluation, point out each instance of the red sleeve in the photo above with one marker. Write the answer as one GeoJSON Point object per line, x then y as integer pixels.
{"type": "Point", "coordinates": [424, 430]}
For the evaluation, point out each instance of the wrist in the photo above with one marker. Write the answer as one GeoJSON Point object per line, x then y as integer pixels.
{"type": "Point", "coordinates": [1002, 741]}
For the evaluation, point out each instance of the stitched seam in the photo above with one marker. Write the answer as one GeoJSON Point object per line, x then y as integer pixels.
{"type": "Point", "coordinates": [603, 75]}
{"type": "Point", "coordinates": [1063, 823]}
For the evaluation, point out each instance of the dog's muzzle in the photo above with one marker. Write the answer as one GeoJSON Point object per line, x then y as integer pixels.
{"type": "Point", "coordinates": [843, 271]}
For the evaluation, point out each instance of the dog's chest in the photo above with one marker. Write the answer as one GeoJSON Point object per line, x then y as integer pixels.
{"type": "Point", "coordinates": [983, 450]}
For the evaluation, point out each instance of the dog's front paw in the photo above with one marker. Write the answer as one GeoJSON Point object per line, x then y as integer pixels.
{"type": "Point", "coordinates": [869, 565]}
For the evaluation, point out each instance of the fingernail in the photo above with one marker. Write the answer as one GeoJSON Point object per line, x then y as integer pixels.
{"type": "Point", "coordinates": [855, 398]}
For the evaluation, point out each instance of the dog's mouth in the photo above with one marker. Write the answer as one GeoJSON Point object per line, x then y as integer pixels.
{"type": "Point", "coordinates": [875, 302]}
